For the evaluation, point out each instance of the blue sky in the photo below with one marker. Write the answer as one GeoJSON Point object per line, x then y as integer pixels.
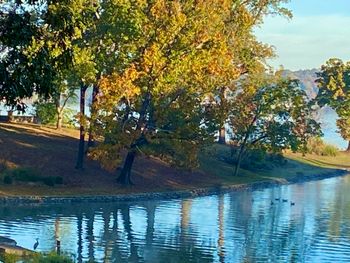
{"type": "Point", "coordinates": [319, 29]}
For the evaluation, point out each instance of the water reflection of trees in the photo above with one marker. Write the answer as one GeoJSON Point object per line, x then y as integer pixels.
{"type": "Point", "coordinates": [106, 233]}
{"type": "Point", "coordinates": [246, 227]}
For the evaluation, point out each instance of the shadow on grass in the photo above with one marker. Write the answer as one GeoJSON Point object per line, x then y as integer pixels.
{"type": "Point", "coordinates": [54, 155]}
{"type": "Point", "coordinates": [50, 154]}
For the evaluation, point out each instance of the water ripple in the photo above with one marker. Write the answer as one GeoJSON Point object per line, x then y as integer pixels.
{"type": "Point", "coordinates": [236, 227]}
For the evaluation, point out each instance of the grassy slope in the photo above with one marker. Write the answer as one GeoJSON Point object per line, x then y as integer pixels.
{"type": "Point", "coordinates": [342, 160]}
{"type": "Point", "coordinates": [296, 166]}
{"type": "Point", "coordinates": [53, 153]}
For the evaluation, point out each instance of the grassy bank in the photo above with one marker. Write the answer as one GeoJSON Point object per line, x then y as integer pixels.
{"type": "Point", "coordinates": [43, 153]}
{"type": "Point", "coordinates": [36, 258]}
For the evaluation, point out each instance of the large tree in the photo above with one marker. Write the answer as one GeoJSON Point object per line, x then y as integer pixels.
{"type": "Point", "coordinates": [334, 90]}
{"type": "Point", "coordinates": [157, 101]}
{"type": "Point", "coordinates": [22, 73]}
{"type": "Point", "coordinates": [270, 114]}
{"type": "Point", "coordinates": [44, 45]}
{"type": "Point", "coordinates": [249, 54]}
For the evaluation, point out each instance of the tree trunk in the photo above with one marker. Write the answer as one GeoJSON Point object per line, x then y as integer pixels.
{"type": "Point", "coordinates": [222, 132]}
{"type": "Point", "coordinates": [59, 119]}
{"type": "Point", "coordinates": [239, 160]}
{"type": "Point", "coordinates": [91, 142]}
{"type": "Point", "coordinates": [223, 112]}
{"type": "Point", "coordinates": [244, 144]}
{"type": "Point", "coordinates": [348, 149]}
{"type": "Point", "coordinates": [80, 159]}
{"type": "Point", "coordinates": [10, 116]}
{"type": "Point", "coordinates": [125, 175]}
{"type": "Point", "coordinates": [59, 111]}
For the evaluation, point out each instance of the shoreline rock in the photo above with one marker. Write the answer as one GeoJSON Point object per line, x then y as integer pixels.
{"type": "Point", "coordinates": [7, 241]}
{"type": "Point", "coordinates": [15, 250]}
{"type": "Point", "coordinates": [45, 200]}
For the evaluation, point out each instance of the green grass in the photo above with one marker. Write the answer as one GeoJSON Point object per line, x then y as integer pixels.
{"type": "Point", "coordinates": [296, 166]}
{"type": "Point", "coordinates": [342, 160]}
{"type": "Point", "coordinates": [28, 175]}
{"type": "Point", "coordinates": [37, 258]}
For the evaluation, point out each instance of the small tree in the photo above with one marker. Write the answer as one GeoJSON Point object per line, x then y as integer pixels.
{"type": "Point", "coordinates": [271, 115]}
{"type": "Point", "coordinates": [249, 54]}
{"type": "Point", "coordinates": [54, 110]}
{"type": "Point", "coordinates": [334, 91]}
{"type": "Point", "coordinates": [64, 96]}
{"type": "Point", "coordinates": [343, 124]}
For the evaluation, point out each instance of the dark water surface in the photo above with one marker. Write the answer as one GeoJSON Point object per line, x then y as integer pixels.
{"type": "Point", "coordinates": [235, 227]}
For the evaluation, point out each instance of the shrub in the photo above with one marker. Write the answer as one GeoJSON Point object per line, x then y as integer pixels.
{"type": "Point", "coordinates": [319, 147]}
{"type": "Point", "coordinates": [50, 181]}
{"type": "Point", "coordinates": [330, 150]}
{"type": "Point", "coordinates": [45, 111]}
{"type": "Point", "coordinates": [3, 166]}
{"type": "Point", "coordinates": [255, 159]}
{"type": "Point", "coordinates": [315, 145]}
{"type": "Point", "coordinates": [50, 258]}
{"type": "Point", "coordinates": [277, 159]}
{"type": "Point", "coordinates": [8, 179]}
{"type": "Point", "coordinates": [9, 258]}
{"type": "Point", "coordinates": [29, 175]}
{"type": "Point", "coordinates": [26, 175]}
{"type": "Point", "coordinates": [58, 180]}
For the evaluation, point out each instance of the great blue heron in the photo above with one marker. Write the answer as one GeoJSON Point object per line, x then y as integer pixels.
{"type": "Point", "coordinates": [36, 244]}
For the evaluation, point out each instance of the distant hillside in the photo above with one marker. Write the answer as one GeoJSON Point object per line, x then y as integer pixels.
{"type": "Point", "coordinates": [326, 115]}
{"type": "Point", "coordinates": [307, 78]}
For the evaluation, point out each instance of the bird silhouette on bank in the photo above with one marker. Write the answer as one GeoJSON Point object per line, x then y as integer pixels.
{"type": "Point", "coordinates": [292, 203]}
{"type": "Point", "coordinates": [36, 244]}
{"type": "Point", "coordinates": [284, 200]}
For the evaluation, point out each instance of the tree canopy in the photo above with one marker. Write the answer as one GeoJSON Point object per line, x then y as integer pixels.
{"type": "Point", "coordinates": [160, 98]}
{"type": "Point", "coordinates": [39, 46]}
{"type": "Point", "coordinates": [334, 91]}
{"type": "Point", "coordinates": [271, 114]}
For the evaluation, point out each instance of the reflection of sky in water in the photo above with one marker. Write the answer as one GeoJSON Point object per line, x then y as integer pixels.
{"type": "Point", "coordinates": [235, 227]}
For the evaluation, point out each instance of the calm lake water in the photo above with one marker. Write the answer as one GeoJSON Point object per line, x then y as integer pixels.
{"type": "Point", "coordinates": [235, 227]}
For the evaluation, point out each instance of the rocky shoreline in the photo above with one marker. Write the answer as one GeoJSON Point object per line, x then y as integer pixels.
{"type": "Point", "coordinates": [38, 200]}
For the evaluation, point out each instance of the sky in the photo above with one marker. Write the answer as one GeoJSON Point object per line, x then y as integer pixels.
{"type": "Point", "coordinates": [319, 30]}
